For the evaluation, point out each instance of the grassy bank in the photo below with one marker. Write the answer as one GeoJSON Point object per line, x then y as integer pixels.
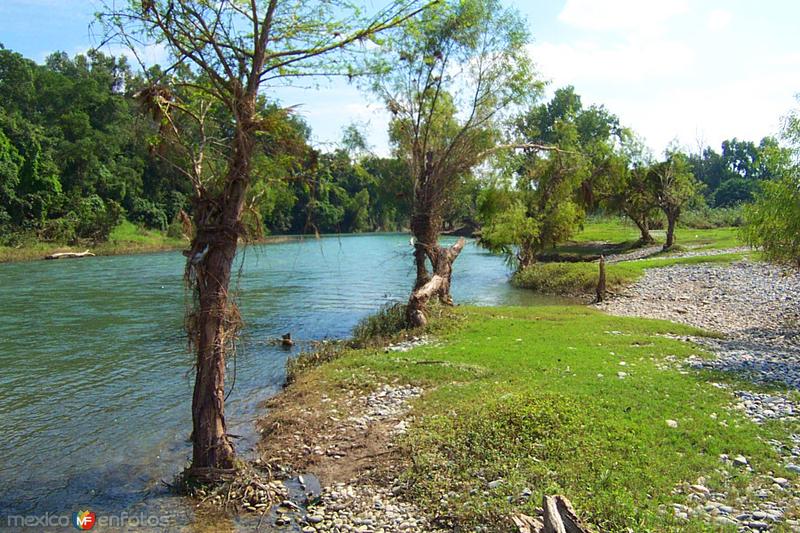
{"type": "Point", "coordinates": [580, 279]}
{"type": "Point", "coordinates": [127, 238]}
{"type": "Point", "coordinates": [616, 230]}
{"type": "Point", "coordinates": [533, 397]}
{"type": "Point", "coordinates": [615, 236]}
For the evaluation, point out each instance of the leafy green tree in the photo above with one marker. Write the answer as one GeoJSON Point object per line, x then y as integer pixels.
{"type": "Point", "coordinates": [10, 163]}
{"type": "Point", "coordinates": [628, 189]}
{"type": "Point", "coordinates": [210, 116]}
{"type": "Point", "coordinates": [732, 176]}
{"type": "Point", "coordinates": [772, 222]}
{"type": "Point", "coordinates": [554, 187]}
{"type": "Point", "coordinates": [673, 185]}
{"type": "Point", "coordinates": [447, 77]}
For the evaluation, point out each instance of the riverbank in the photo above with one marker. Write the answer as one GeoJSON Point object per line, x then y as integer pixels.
{"type": "Point", "coordinates": [503, 405]}
{"type": "Point", "coordinates": [126, 239]}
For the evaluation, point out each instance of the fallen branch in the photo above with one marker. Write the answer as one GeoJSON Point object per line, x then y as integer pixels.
{"type": "Point", "coordinates": [69, 255]}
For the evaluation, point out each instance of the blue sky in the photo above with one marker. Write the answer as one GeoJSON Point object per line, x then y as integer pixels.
{"type": "Point", "coordinates": [698, 71]}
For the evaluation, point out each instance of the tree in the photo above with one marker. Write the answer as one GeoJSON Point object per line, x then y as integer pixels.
{"type": "Point", "coordinates": [732, 176]}
{"type": "Point", "coordinates": [566, 165]}
{"type": "Point", "coordinates": [223, 55]}
{"type": "Point", "coordinates": [673, 185]}
{"type": "Point", "coordinates": [629, 190]}
{"type": "Point", "coordinates": [447, 78]}
{"type": "Point", "coordinates": [772, 222]}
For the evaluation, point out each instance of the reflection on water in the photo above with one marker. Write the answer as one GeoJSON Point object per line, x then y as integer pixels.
{"type": "Point", "coordinates": [95, 379]}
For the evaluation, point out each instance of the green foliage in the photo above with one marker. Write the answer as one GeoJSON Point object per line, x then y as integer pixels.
{"type": "Point", "coordinates": [448, 77]}
{"type": "Point", "coordinates": [380, 327]}
{"type": "Point", "coordinates": [772, 222]}
{"type": "Point", "coordinates": [76, 135]}
{"type": "Point", "coordinates": [554, 188]}
{"type": "Point", "coordinates": [96, 218]}
{"type": "Point", "coordinates": [708, 217]}
{"type": "Point", "coordinates": [732, 176]}
{"type": "Point", "coordinates": [148, 214]}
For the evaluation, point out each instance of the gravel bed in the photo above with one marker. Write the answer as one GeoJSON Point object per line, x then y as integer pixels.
{"type": "Point", "coordinates": [746, 301]}
{"type": "Point", "coordinates": [366, 508]}
{"type": "Point", "coordinates": [648, 251]}
{"type": "Point", "coordinates": [363, 509]}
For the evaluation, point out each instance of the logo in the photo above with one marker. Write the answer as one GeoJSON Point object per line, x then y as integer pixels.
{"type": "Point", "coordinates": [84, 520]}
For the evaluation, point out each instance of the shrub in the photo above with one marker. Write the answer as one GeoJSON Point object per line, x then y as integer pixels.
{"type": "Point", "coordinates": [149, 214]}
{"type": "Point", "coordinates": [773, 221]}
{"type": "Point", "coordinates": [60, 230]}
{"type": "Point", "coordinates": [572, 279]}
{"type": "Point", "coordinates": [385, 324]}
{"type": "Point", "coordinates": [96, 219]}
{"type": "Point", "coordinates": [709, 218]}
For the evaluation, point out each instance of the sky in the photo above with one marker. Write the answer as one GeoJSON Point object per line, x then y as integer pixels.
{"type": "Point", "coordinates": [696, 72]}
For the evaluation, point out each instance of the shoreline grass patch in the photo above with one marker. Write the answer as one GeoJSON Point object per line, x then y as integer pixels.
{"type": "Point", "coordinates": [580, 279]}
{"type": "Point", "coordinates": [561, 399]}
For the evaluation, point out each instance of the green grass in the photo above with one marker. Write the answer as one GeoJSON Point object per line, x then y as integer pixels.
{"type": "Point", "coordinates": [531, 396]}
{"type": "Point", "coordinates": [127, 238]}
{"type": "Point", "coordinates": [580, 279]}
{"type": "Point", "coordinates": [617, 230]}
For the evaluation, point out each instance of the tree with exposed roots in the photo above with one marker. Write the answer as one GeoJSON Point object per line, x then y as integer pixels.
{"type": "Point", "coordinates": [223, 54]}
{"type": "Point", "coordinates": [447, 77]}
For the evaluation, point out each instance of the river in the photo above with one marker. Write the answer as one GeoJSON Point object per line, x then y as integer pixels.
{"type": "Point", "coordinates": [95, 377]}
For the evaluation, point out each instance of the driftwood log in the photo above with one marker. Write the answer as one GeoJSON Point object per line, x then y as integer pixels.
{"type": "Point", "coordinates": [558, 516]}
{"type": "Point", "coordinates": [70, 255]}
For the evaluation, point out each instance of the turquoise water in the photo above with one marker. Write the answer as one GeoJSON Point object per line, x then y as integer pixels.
{"type": "Point", "coordinates": [95, 378]}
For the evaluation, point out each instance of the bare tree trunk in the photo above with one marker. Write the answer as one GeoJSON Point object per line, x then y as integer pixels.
{"type": "Point", "coordinates": [671, 220]}
{"type": "Point", "coordinates": [645, 237]}
{"type": "Point", "coordinates": [438, 285]}
{"type": "Point", "coordinates": [425, 229]}
{"type": "Point", "coordinates": [212, 449]}
{"type": "Point", "coordinates": [215, 321]}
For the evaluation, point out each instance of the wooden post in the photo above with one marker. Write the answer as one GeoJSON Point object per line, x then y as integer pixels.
{"type": "Point", "coordinates": [601, 281]}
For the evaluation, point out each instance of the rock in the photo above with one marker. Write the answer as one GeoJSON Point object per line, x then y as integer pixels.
{"type": "Point", "coordinates": [740, 460]}
{"type": "Point", "coordinates": [725, 521]}
{"type": "Point", "coordinates": [672, 423]}
{"type": "Point", "coordinates": [496, 483]}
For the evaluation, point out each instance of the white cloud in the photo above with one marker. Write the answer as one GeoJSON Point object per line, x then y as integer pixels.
{"type": "Point", "coordinates": [592, 62]}
{"type": "Point", "coordinates": [620, 14]}
{"type": "Point", "coordinates": [748, 109]}
{"type": "Point", "coordinates": [719, 19]}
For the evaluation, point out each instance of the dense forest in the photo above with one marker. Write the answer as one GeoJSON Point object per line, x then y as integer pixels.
{"type": "Point", "coordinates": [78, 156]}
